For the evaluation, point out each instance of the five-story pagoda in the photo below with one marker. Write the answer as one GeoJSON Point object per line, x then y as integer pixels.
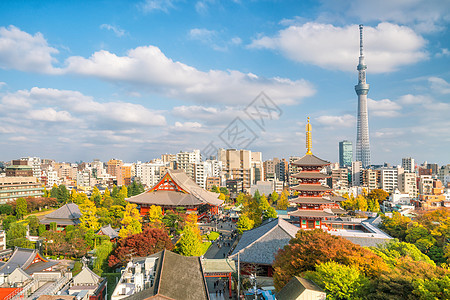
{"type": "Point", "coordinates": [314, 204]}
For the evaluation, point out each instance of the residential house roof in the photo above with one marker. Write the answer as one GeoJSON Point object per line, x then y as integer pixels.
{"type": "Point", "coordinates": [108, 231]}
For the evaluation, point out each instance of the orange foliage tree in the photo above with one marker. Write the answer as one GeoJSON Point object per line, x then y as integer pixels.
{"type": "Point", "coordinates": [312, 247]}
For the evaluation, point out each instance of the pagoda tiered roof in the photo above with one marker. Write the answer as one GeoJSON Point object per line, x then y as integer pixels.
{"type": "Point", "coordinates": [310, 160]}
{"type": "Point", "coordinates": [311, 188]}
{"type": "Point", "coordinates": [310, 175]}
{"type": "Point", "coordinates": [311, 200]}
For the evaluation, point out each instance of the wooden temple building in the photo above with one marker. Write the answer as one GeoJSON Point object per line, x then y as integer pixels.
{"type": "Point", "coordinates": [316, 204]}
{"type": "Point", "coordinates": [175, 190]}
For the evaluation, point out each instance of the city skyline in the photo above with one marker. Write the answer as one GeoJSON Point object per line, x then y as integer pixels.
{"type": "Point", "coordinates": [85, 80]}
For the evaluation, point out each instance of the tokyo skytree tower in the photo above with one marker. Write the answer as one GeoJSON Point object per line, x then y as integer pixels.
{"type": "Point", "coordinates": [362, 135]}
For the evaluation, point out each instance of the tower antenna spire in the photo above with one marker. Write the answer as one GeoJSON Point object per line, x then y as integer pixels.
{"type": "Point", "coordinates": [308, 138]}
{"type": "Point", "coordinates": [361, 40]}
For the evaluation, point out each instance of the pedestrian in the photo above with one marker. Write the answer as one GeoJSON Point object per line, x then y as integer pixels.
{"type": "Point", "coordinates": [220, 292]}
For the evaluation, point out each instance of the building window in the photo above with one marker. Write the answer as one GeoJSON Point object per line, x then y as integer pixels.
{"type": "Point", "coordinates": [317, 223]}
{"type": "Point", "coordinates": [303, 222]}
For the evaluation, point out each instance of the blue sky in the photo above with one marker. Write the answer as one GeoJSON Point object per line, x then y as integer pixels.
{"type": "Point", "coordinates": [133, 79]}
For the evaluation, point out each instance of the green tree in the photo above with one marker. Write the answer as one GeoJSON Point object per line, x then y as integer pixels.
{"type": "Point", "coordinates": [224, 190]}
{"type": "Point", "coordinates": [393, 251]}
{"type": "Point", "coordinates": [240, 199]}
{"type": "Point", "coordinates": [215, 189]}
{"type": "Point", "coordinates": [16, 236]}
{"type": "Point", "coordinates": [190, 243]}
{"type": "Point", "coordinates": [63, 194]}
{"type": "Point", "coordinates": [89, 218]}
{"type": "Point", "coordinates": [33, 225]}
{"type": "Point", "coordinates": [121, 195]}
{"type": "Point", "coordinates": [6, 209]}
{"type": "Point", "coordinates": [101, 254]}
{"type": "Point", "coordinates": [96, 197]}
{"type": "Point", "coordinates": [131, 222]}
{"type": "Point", "coordinates": [21, 208]}
{"type": "Point", "coordinates": [244, 224]}
{"type": "Point", "coordinates": [283, 202]}
{"type": "Point", "coordinates": [6, 223]}
{"type": "Point", "coordinates": [270, 213]}
{"type": "Point", "coordinates": [274, 196]}
{"type": "Point", "coordinates": [339, 281]}
{"type": "Point", "coordinates": [396, 226]}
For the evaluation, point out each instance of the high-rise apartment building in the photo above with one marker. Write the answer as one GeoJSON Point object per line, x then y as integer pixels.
{"type": "Point", "coordinates": [152, 172]}
{"type": "Point", "coordinates": [292, 170]}
{"type": "Point", "coordinates": [345, 154]}
{"type": "Point", "coordinates": [339, 179]}
{"type": "Point", "coordinates": [241, 165]}
{"type": "Point", "coordinates": [186, 161]}
{"type": "Point", "coordinates": [371, 179]}
{"type": "Point", "coordinates": [408, 164]}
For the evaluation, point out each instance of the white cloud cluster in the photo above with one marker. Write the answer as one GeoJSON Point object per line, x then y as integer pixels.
{"type": "Point", "coordinates": [383, 108]}
{"type": "Point", "coordinates": [387, 46]}
{"type": "Point", "coordinates": [154, 5]}
{"type": "Point", "coordinates": [424, 15]}
{"type": "Point", "coordinates": [335, 122]}
{"type": "Point", "coordinates": [148, 68]}
{"type": "Point", "coordinates": [22, 51]}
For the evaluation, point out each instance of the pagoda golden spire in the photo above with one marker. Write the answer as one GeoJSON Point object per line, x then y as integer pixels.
{"type": "Point", "coordinates": [308, 138]}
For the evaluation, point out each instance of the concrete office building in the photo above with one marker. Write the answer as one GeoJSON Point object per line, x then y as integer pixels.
{"type": "Point", "coordinates": [408, 164]}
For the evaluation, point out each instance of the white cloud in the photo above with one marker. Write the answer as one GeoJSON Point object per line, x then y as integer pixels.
{"type": "Point", "coordinates": [424, 15]}
{"type": "Point", "coordinates": [439, 85]}
{"type": "Point", "coordinates": [210, 115]}
{"type": "Point", "coordinates": [117, 31]}
{"type": "Point", "coordinates": [150, 69]}
{"type": "Point", "coordinates": [22, 51]}
{"type": "Point", "coordinates": [49, 115]}
{"type": "Point", "coordinates": [65, 105]}
{"type": "Point", "coordinates": [383, 108]}
{"type": "Point", "coordinates": [444, 52]}
{"type": "Point", "coordinates": [188, 125]}
{"type": "Point", "coordinates": [410, 99]}
{"type": "Point", "coordinates": [202, 34]}
{"type": "Point", "coordinates": [337, 121]}
{"type": "Point", "coordinates": [155, 5]}
{"type": "Point", "coordinates": [387, 47]}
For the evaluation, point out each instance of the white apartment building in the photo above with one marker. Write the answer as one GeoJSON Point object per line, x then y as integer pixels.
{"type": "Point", "coordinates": [152, 172]}
{"type": "Point", "coordinates": [35, 164]}
{"type": "Point", "coordinates": [238, 165]}
{"type": "Point", "coordinates": [357, 170]}
{"type": "Point", "coordinates": [407, 184]}
{"type": "Point", "coordinates": [443, 174]}
{"type": "Point", "coordinates": [408, 164]}
{"type": "Point", "coordinates": [425, 184]}
{"type": "Point", "coordinates": [84, 178]}
{"type": "Point", "coordinates": [52, 178]}
{"type": "Point", "coordinates": [389, 178]}
{"type": "Point", "coordinates": [257, 173]}
{"type": "Point", "coordinates": [187, 160]}
{"type": "Point", "coordinates": [205, 169]}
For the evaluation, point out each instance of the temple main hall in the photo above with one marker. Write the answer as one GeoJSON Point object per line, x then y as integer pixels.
{"type": "Point", "coordinates": [176, 190]}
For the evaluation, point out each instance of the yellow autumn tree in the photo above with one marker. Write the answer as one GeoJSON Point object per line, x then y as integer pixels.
{"type": "Point", "coordinates": [131, 222]}
{"type": "Point", "coordinates": [155, 215]}
{"type": "Point", "coordinates": [89, 218]}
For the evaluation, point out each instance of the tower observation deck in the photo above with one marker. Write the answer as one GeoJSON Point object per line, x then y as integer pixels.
{"type": "Point", "coordinates": [362, 88]}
